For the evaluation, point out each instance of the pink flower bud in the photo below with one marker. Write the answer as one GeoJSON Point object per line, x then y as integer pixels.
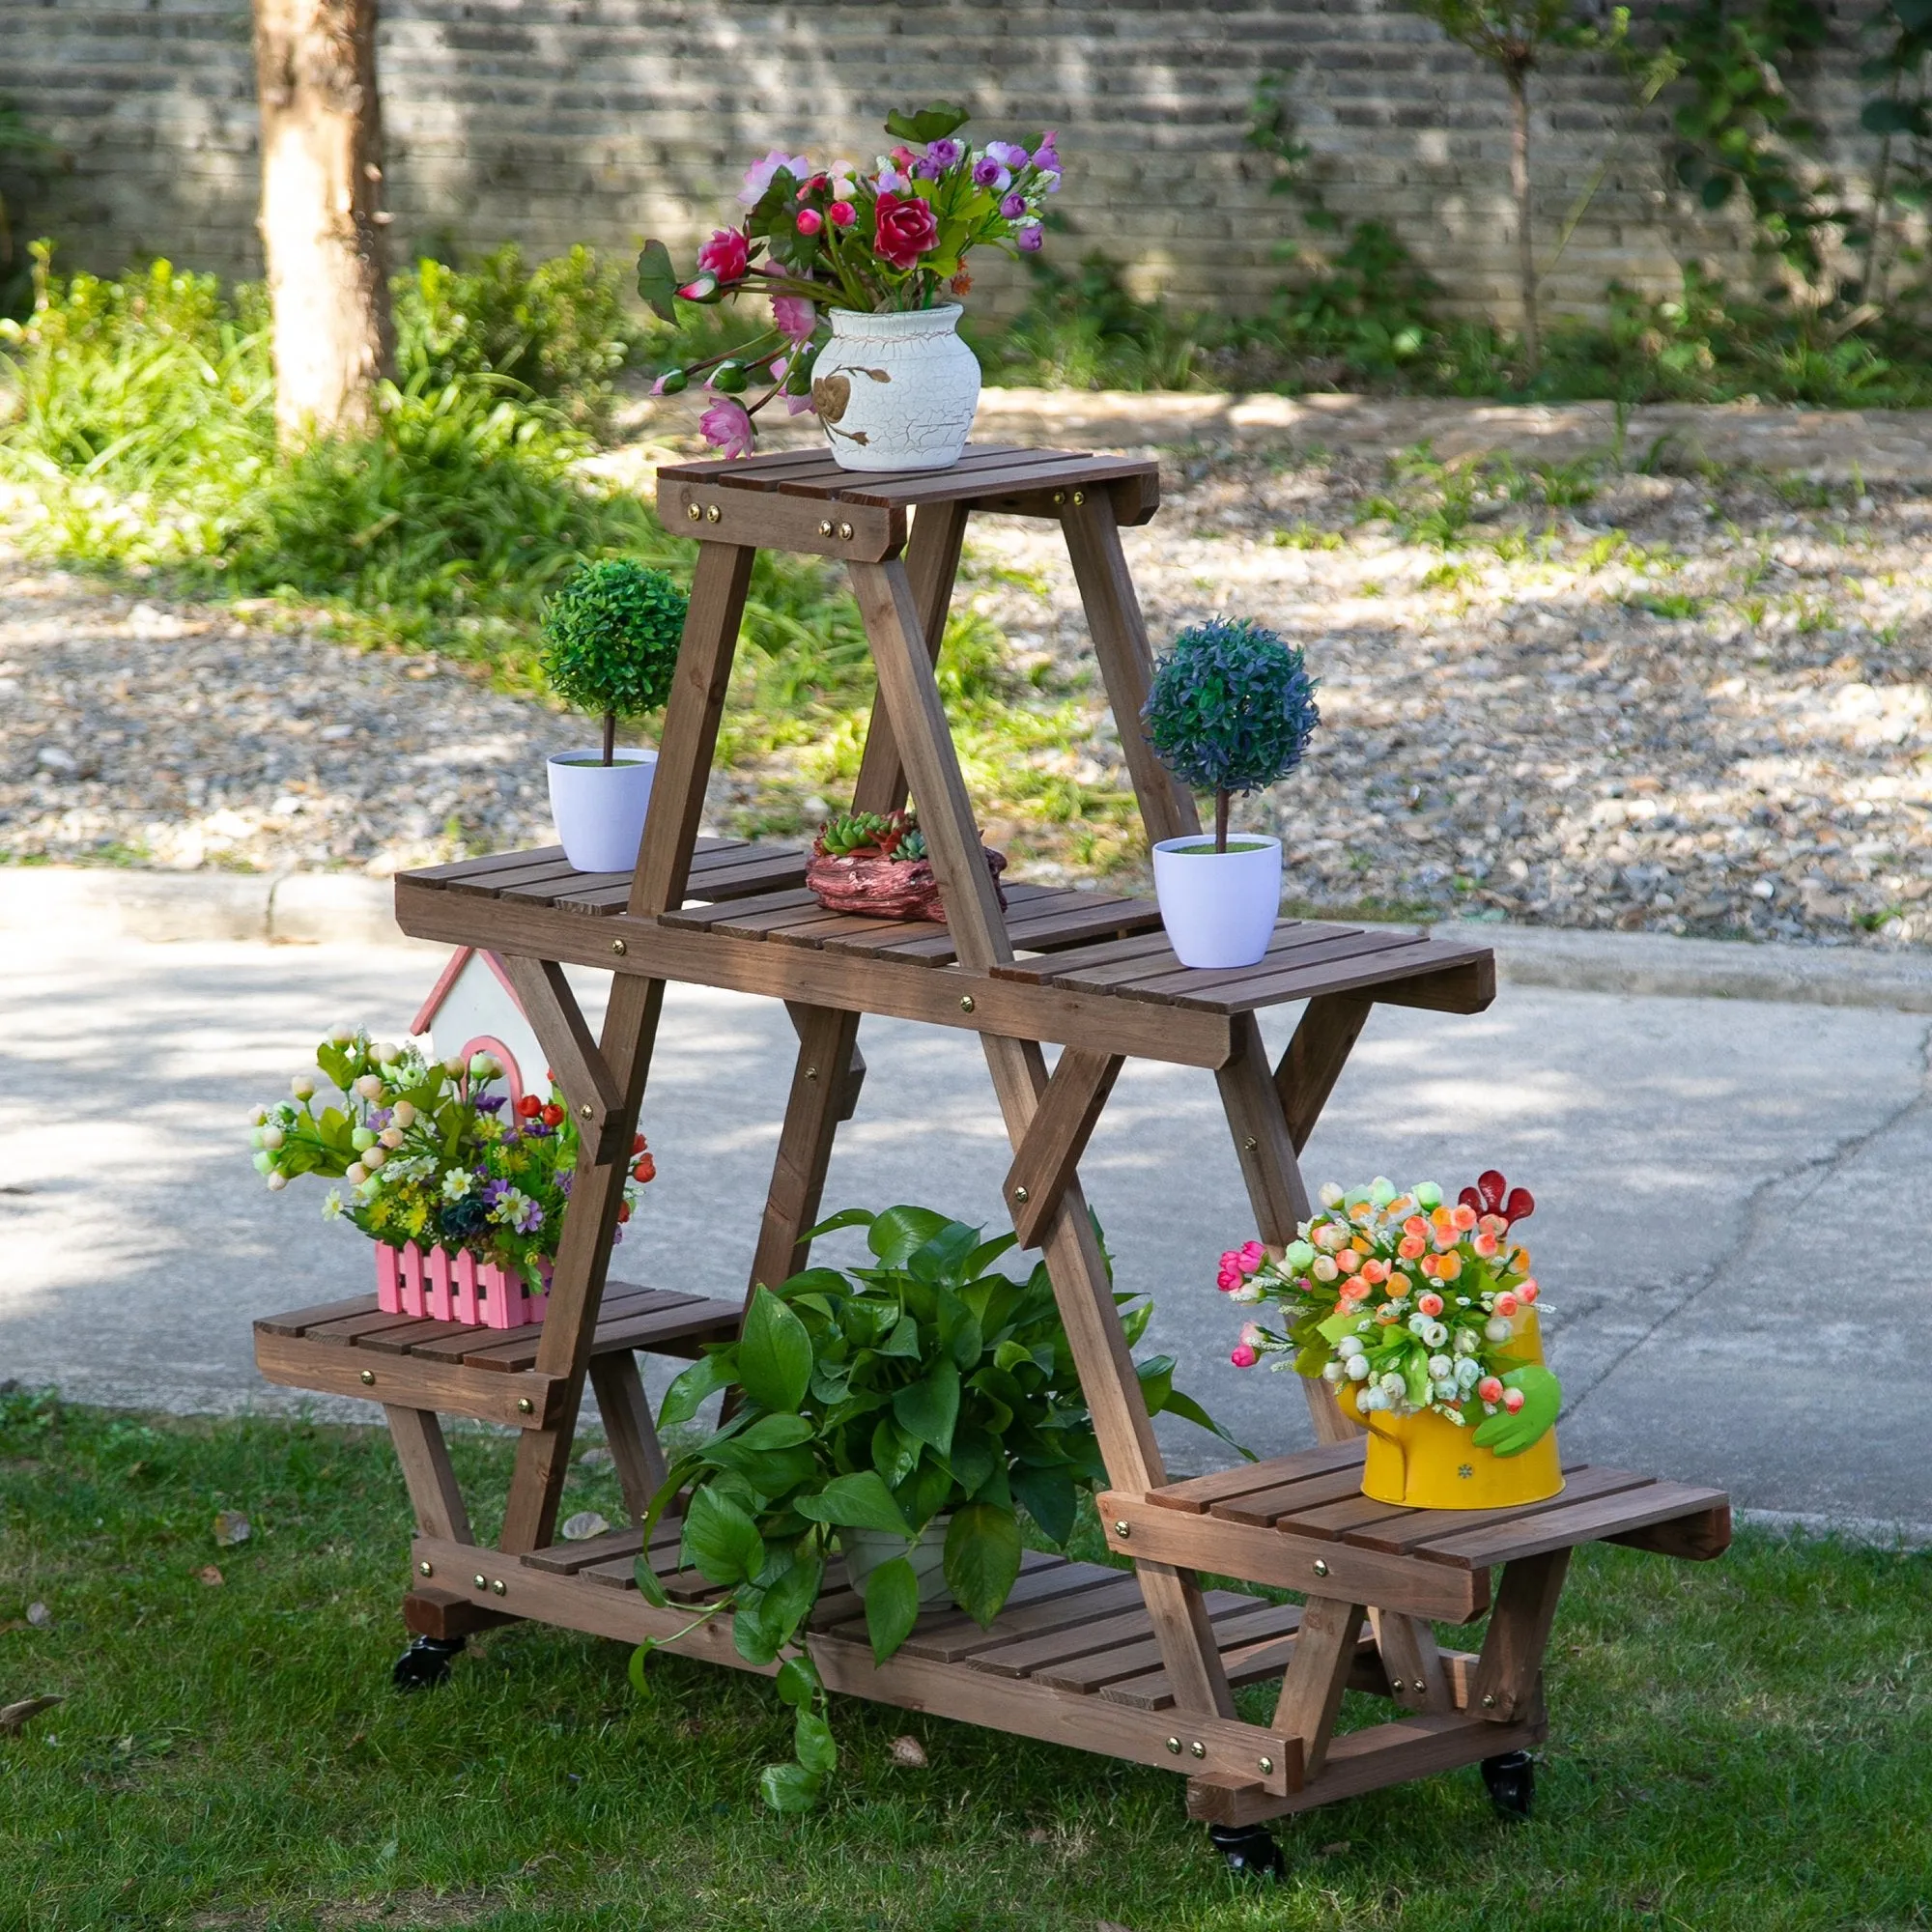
{"type": "Point", "coordinates": [1252, 1335]}
{"type": "Point", "coordinates": [1228, 1278]}
{"type": "Point", "coordinates": [1490, 1388]}
{"type": "Point", "coordinates": [842, 214]}
{"type": "Point", "coordinates": [1429, 1304]}
{"type": "Point", "coordinates": [809, 221]}
{"type": "Point", "coordinates": [1506, 1303]}
{"type": "Point", "coordinates": [1348, 1261]}
{"type": "Point", "coordinates": [1529, 1290]}
{"type": "Point", "coordinates": [1513, 1400]}
{"type": "Point", "coordinates": [1243, 1357]}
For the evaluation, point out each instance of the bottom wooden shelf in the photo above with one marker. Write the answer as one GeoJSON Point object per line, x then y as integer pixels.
{"type": "Point", "coordinates": [1071, 1660]}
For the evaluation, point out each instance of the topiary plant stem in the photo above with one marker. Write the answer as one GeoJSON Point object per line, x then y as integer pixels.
{"type": "Point", "coordinates": [610, 737]}
{"type": "Point", "coordinates": [1221, 801]}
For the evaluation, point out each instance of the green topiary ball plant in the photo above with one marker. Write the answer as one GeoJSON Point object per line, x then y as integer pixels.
{"type": "Point", "coordinates": [611, 639]}
{"type": "Point", "coordinates": [1232, 709]}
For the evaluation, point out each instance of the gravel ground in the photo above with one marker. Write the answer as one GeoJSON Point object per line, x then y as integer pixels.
{"type": "Point", "coordinates": [1681, 703]}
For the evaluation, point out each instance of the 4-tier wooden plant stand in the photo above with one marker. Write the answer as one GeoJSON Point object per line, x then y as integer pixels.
{"type": "Point", "coordinates": [1139, 1663]}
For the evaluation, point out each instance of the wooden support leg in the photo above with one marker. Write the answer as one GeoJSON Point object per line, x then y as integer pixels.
{"type": "Point", "coordinates": [1418, 1679]}
{"type": "Point", "coordinates": [1080, 1287]}
{"type": "Point", "coordinates": [1317, 1673]}
{"type": "Point", "coordinates": [826, 1044]}
{"type": "Point", "coordinates": [628, 1428]}
{"type": "Point", "coordinates": [426, 1469]}
{"type": "Point", "coordinates": [1330, 1025]}
{"type": "Point", "coordinates": [1057, 1136]}
{"type": "Point", "coordinates": [685, 750]}
{"type": "Point", "coordinates": [565, 1036]}
{"type": "Point", "coordinates": [1509, 1673]}
{"type": "Point", "coordinates": [1126, 659]}
{"type": "Point", "coordinates": [854, 1081]}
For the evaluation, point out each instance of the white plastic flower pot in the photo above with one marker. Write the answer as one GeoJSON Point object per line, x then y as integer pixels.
{"type": "Point", "coordinates": [600, 809]}
{"type": "Point", "coordinates": [1219, 908]}
{"type": "Point", "coordinates": [896, 391]}
{"type": "Point", "coordinates": [866, 1549]}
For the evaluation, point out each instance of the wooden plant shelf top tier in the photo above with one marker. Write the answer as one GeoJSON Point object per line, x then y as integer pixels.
{"type": "Point", "coordinates": [1302, 1522]}
{"type": "Point", "coordinates": [351, 1347]}
{"type": "Point", "coordinates": [802, 500]}
{"type": "Point", "coordinates": [1095, 969]}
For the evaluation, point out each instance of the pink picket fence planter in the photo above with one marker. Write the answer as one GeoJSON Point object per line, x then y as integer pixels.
{"type": "Point", "coordinates": [443, 1287]}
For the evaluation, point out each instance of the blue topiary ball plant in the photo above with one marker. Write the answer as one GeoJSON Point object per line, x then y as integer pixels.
{"type": "Point", "coordinates": [1231, 710]}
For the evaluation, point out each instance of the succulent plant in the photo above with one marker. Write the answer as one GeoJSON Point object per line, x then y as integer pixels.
{"type": "Point", "coordinates": [872, 835]}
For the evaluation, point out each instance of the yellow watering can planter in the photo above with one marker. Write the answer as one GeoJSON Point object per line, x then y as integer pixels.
{"type": "Point", "coordinates": [1426, 1461]}
{"type": "Point", "coordinates": [1421, 1317]}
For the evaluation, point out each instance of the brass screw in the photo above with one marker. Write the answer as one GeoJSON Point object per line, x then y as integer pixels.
{"type": "Point", "coordinates": [1174, 1745]}
{"type": "Point", "coordinates": [499, 1587]}
{"type": "Point", "coordinates": [1490, 1701]}
{"type": "Point", "coordinates": [426, 1569]}
{"type": "Point", "coordinates": [1420, 1685]}
{"type": "Point", "coordinates": [1268, 1766]}
{"type": "Point", "coordinates": [1021, 1196]}
{"type": "Point", "coordinates": [1079, 496]}
{"type": "Point", "coordinates": [811, 1073]}
{"type": "Point", "coordinates": [845, 532]}
{"type": "Point", "coordinates": [586, 1110]}
{"type": "Point", "coordinates": [692, 511]}
{"type": "Point", "coordinates": [1250, 1143]}
{"type": "Point", "coordinates": [1124, 1528]}
{"type": "Point", "coordinates": [481, 1582]}
{"type": "Point", "coordinates": [825, 529]}
{"type": "Point", "coordinates": [711, 512]}
{"type": "Point", "coordinates": [1198, 1748]}
{"type": "Point", "coordinates": [525, 1407]}
{"type": "Point", "coordinates": [1320, 1568]}
{"type": "Point", "coordinates": [965, 1003]}
{"type": "Point", "coordinates": [619, 948]}
{"type": "Point", "coordinates": [368, 1378]}
{"type": "Point", "coordinates": [1060, 496]}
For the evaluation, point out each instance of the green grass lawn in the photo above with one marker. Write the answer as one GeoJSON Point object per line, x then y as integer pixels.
{"type": "Point", "coordinates": [1735, 1744]}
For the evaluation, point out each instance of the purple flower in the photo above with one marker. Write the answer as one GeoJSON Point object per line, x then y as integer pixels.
{"type": "Point", "coordinates": [990, 174]}
{"type": "Point", "coordinates": [531, 1220]}
{"type": "Point", "coordinates": [760, 176]}
{"type": "Point", "coordinates": [1009, 153]}
{"type": "Point", "coordinates": [798, 405]}
{"type": "Point", "coordinates": [892, 182]}
{"type": "Point", "coordinates": [494, 1191]}
{"type": "Point", "coordinates": [487, 1103]}
{"type": "Point", "coordinates": [946, 153]}
{"type": "Point", "coordinates": [725, 427]}
{"type": "Point", "coordinates": [564, 1177]}
{"type": "Point", "coordinates": [928, 169]}
{"type": "Point", "coordinates": [1045, 157]}
{"type": "Point", "coordinates": [1013, 207]}
{"type": "Point", "coordinates": [1031, 237]}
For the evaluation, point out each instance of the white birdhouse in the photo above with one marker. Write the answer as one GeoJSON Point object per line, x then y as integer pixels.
{"type": "Point", "coordinates": [473, 1008]}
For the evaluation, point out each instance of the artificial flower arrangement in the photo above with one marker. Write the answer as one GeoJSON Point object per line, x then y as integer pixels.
{"type": "Point", "coordinates": [876, 863]}
{"type": "Point", "coordinates": [432, 1158]}
{"type": "Point", "coordinates": [1408, 1307]}
{"type": "Point", "coordinates": [836, 241]}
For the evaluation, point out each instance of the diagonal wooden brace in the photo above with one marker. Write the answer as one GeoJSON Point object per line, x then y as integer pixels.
{"type": "Point", "coordinates": [1056, 1137]}
{"type": "Point", "coordinates": [1313, 1062]}
{"type": "Point", "coordinates": [575, 1057]}
{"type": "Point", "coordinates": [854, 1081]}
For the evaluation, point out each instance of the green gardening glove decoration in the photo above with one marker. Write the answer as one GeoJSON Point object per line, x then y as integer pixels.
{"type": "Point", "coordinates": [1509, 1432]}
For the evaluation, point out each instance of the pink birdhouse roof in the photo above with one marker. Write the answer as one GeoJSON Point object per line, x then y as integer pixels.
{"type": "Point", "coordinates": [448, 977]}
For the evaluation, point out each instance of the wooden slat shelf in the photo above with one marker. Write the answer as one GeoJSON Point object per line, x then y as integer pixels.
{"type": "Point", "coordinates": [1096, 970]}
{"type": "Point", "coordinates": [1301, 1522]}
{"type": "Point", "coordinates": [351, 1347]}
{"type": "Point", "coordinates": [1139, 1661]}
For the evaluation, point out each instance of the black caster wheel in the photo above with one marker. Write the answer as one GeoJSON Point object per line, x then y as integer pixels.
{"type": "Point", "coordinates": [1512, 1781]}
{"type": "Point", "coordinates": [1250, 1850]}
{"type": "Point", "coordinates": [425, 1663]}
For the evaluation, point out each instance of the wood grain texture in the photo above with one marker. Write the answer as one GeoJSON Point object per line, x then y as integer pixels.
{"type": "Point", "coordinates": [1317, 1673]}
{"type": "Point", "coordinates": [628, 1429]}
{"type": "Point", "coordinates": [431, 1481]}
{"type": "Point", "coordinates": [1510, 1670]}
{"type": "Point", "coordinates": [1322, 1041]}
{"type": "Point", "coordinates": [1057, 1137]}
{"type": "Point", "coordinates": [565, 1036]}
{"type": "Point", "coordinates": [297, 1362]}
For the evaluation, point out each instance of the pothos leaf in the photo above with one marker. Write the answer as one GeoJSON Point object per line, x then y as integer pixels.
{"type": "Point", "coordinates": [892, 1607]}
{"type": "Point", "coordinates": [789, 1787]}
{"type": "Point", "coordinates": [657, 280]}
{"type": "Point", "coordinates": [929, 124]}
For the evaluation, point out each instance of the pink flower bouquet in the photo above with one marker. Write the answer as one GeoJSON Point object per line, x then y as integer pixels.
{"type": "Point", "coordinates": [815, 237]}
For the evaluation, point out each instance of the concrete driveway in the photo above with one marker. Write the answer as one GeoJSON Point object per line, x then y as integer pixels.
{"type": "Point", "coordinates": [1715, 1182]}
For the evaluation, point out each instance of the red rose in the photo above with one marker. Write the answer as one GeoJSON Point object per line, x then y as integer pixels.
{"type": "Point", "coordinates": [530, 1106]}
{"type": "Point", "coordinates": [726, 255]}
{"type": "Point", "coordinates": [906, 230]}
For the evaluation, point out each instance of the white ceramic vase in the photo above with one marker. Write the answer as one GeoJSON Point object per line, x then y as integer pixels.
{"type": "Point", "coordinates": [866, 1549]}
{"type": "Point", "coordinates": [896, 391]}
{"type": "Point", "coordinates": [600, 809]}
{"type": "Point", "coordinates": [1219, 908]}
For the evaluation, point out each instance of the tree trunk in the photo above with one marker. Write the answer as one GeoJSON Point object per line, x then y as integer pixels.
{"type": "Point", "coordinates": [1525, 253]}
{"type": "Point", "coordinates": [322, 226]}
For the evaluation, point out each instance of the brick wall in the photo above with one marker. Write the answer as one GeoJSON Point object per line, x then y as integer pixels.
{"type": "Point", "coordinates": [554, 120]}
